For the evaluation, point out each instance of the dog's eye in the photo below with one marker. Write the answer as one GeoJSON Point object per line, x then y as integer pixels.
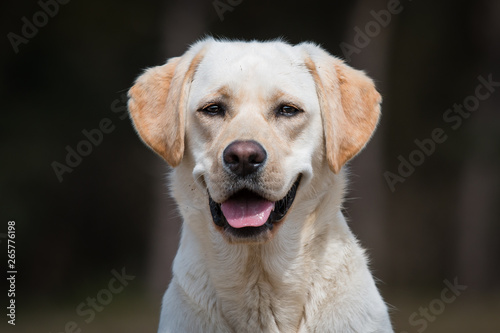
{"type": "Point", "coordinates": [213, 110]}
{"type": "Point", "coordinates": [288, 111]}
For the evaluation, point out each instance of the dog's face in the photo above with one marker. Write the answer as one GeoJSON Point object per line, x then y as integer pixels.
{"type": "Point", "coordinates": [254, 122]}
{"type": "Point", "coordinates": [253, 127]}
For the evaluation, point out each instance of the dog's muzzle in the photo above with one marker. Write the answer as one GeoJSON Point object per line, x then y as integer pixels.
{"type": "Point", "coordinates": [247, 214]}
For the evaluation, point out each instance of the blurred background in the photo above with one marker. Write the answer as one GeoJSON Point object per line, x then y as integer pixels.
{"type": "Point", "coordinates": [95, 228]}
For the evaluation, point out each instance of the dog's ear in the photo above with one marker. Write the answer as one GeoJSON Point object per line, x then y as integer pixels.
{"type": "Point", "coordinates": [350, 105]}
{"type": "Point", "coordinates": [157, 105]}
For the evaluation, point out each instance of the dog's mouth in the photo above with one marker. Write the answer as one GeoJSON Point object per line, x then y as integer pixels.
{"type": "Point", "coordinates": [246, 214]}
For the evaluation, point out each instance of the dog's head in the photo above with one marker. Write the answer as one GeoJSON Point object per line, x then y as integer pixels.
{"type": "Point", "coordinates": [253, 122]}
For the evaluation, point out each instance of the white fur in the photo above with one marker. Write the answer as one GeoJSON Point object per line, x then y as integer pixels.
{"type": "Point", "coordinates": [311, 276]}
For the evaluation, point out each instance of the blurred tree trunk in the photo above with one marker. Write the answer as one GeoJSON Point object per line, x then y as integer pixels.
{"type": "Point", "coordinates": [476, 219]}
{"type": "Point", "coordinates": [184, 23]}
{"type": "Point", "coordinates": [441, 218]}
{"type": "Point", "coordinates": [367, 201]}
{"type": "Point", "coordinates": [477, 209]}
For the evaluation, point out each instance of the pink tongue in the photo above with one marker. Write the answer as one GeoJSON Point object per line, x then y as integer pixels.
{"type": "Point", "coordinates": [242, 212]}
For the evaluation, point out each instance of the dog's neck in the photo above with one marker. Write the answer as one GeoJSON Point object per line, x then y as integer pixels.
{"type": "Point", "coordinates": [266, 285]}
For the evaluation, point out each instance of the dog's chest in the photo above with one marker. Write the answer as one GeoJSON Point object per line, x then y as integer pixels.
{"type": "Point", "coordinates": [253, 299]}
{"type": "Point", "coordinates": [261, 307]}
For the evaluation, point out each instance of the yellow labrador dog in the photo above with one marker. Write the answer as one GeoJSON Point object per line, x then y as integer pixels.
{"type": "Point", "coordinates": [257, 134]}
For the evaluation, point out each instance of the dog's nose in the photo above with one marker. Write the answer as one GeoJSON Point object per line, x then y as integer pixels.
{"type": "Point", "coordinates": [244, 157]}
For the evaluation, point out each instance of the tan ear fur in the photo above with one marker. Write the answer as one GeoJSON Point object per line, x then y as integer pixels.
{"type": "Point", "coordinates": [350, 106]}
{"type": "Point", "coordinates": [157, 104]}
